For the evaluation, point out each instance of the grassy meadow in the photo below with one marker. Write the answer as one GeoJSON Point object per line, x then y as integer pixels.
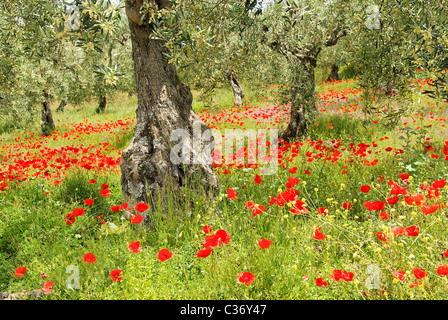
{"type": "Point", "coordinates": [355, 211]}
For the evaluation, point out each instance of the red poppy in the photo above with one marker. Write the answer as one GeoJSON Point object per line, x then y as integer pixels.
{"type": "Point", "coordinates": [293, 170]}
{"type": "Point", "coordinates": [347, 205]}
{"type": "Point", "coordinates": [292, 182]}
{"type": "Point", "coordinates": [374, 206]}
{"type": "Point", "coordinates": [136, 219]}
{"type": "Point", "coordinates": [125, 206]}
{"type": "Point", "coordinates": [207, 229]}
{"type": "Point", "coordinates": [204, 253]}
{"type": "Point", "coordinates": [412, 231]}
{"type": "Point", "coordinates": [164, 255]}
{"type": "Point", "coordinates": [264, 243]}
{"type": "Point", "coordinates": [105, 193]}
{"type": "Point", "coordinates": [105, 186]}
{"type": "Point", "coordinates": [20, 271]}
{"type": "Point", "coordinates": [337, 275]}
{"type": "Point", "coordinates": [92, 181]}
{"type": "Point", "coordinates": [135, 247]}
{"type": "Point", "coordinates": [258, 208]}
{"type": "Point", "coordinates": [78, 212]}
{"type": "Point", "coordinates": [415, 284]}
{"type": "Point", "coordinates": [446, 253]}
{"type": "Point", "coordinates": [115, 208]}
{"type": "Point", "coordinates": [318, 235]}
{"type": "Point", "coordinates": [442, 270]}
{"type": "Point", "coordinates": [307, 172]}
{"type": "Point", "coordinates": [323, 210]}
{"type": "Point", "coordinates": [439, 183]}
{"type": "Point", "coordinates": [89, 258]}
{"type": "Point", "coordinates": [246, 277]}
{"type": "Point", "coordinates": [347, 276]}
{"type": "Point", "coordinates": [404, 176]}
{"type": "Point", "coordinates": [419, 273]}
{"type": "Point", "coordinates": [89, 202]}
{"type": "Point", "coordinates": [400, 275]}
{"type": "Point", "coordinates": [393, 200]}
{"type": "Point", "coordinates": [398, 231]}
{"type": "Point", "coordinates": [69, 219]}
{"type": "Point", "coordinates": [321, 283]}
{"type": "Point", "coordinates": [257, 179]}
{"type": "Point", "coordinates": [48, 285]}
{"type": "Point", "coordinates": [429, 209]}
{"type": "Point", "coordinates": [382, 236]}
{"type": "Point", "coordinates": [116, 275]}
{"type": "Point", "coordinates": [224, 236]}
{"type": "Point", "coordinates": [232, 194]}
{"type": "Point", "coordinates": [141, 207]}
{"type": "Point", "coordinates": [384, 215]}
{"type": "Point", "coordinates": [365, 188]}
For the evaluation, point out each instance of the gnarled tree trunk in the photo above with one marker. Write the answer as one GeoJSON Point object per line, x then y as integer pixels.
{"type": "Point", "coordinates": [47, 124]}
{"type": "Point", "coordinates": [302, 97]}
{"type": "Point", "coordinates": [102, 104]}
{"type": "Point", "coordinates": [236, 87]}
{"type": "Point", "coordinates": [62, 106]}
{"type": "Point", "coordinates": [334, 74]}
{"type": "Point", "coordinates": [164, 105]}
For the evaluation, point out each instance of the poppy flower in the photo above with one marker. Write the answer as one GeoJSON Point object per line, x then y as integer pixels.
{"type": "Point", "coordinates": [224, 236]}
{"type": "Point", "coordinates": [429, 209]}
{"type": "Point", "coordinates": [92, 181]}
{"type": "Point", "coordinates": [384, 215]}
{"type": "Point", "coordinates": [258, 208]}
{"type": "Point", "coordinates": [400, 275]}
{"type": "Point", "coordinates": [307, 172]}
{"type": "Point", "coordinates": [293, 170]}
{"type": "Point", "coordinates": [365, 189]}
{"type": "Point", "coordinates": [116, 275]}
{"type": "Point", "coordinates": [419, 273]}
{"type": "Point", "coordinates": [404, 176]}
{"type": "Point", "coordinates": [446, 253]}
{"type": "Point", "coordinates": [415, 284]}
{"type": "Point", "coordinates": [382, 236]}
{"type": "Point", "coordinates": [323, 210]}
{"type": "Point", "coordinates": [89, 258]}
{"type": "Point", "coordinates": [78, 212]}
{"type": "Point", "coordinates": [20, 271]}
{"type": "Point", "coordinates": [321, 283]}
{"type": "Point", "coordinates": [105, 193]}
{"type": "Point", "coordinates": [105, 186]}
{"type": "Point", "coordinates": [69, 219]}
{"type": "Point", "coordinates": [347, 205]}
{"type": "Point", "coordinates": [246, 277]}
{"type": "Point", "coordinates": [442, 270]}
{"type": "Point", "coordinates": [374, 206]}
{"type": "Point", "coordinates": [264, 243]}
{"type": "Point", "coordinates": [207, 229]}
{"type": "Point", "coordinates": [336, 276]}
{"type": "Point", "coordinates": [412, 231]}
{"type": "Point", "coordinates": [125, 206]}
{"type": "Point", "coordinates": [136, 219]}
{"type": "Point", "coordinates": [347, 276]}
{"type": "Point", "coordinates": [393, 200]}
{"type": "Point", "coordinates": [231, 194]}
{"type": "Point", "coordinates": [89, 202]}
{"type": "Point", "coordinates": [258, 179]}
{"type": "Point", "coordinates": [48, 285]}
{"type": "Point", "coordinates": [398, 231]}
{"type": "Point", "coordinates": [292, 182]}
{"type": "Point", "coordinates": [204, 253]}
{"type": "Point", "coordinates": [141, 207]}
{"type": "Point", "coordinates": [318, 235]}
{"type": "Point", "coordinates": [164, 255]}
{"type": "Point", "coordinates": [115, 208]}
{"type": "Point", "coordinates": [135, 247]}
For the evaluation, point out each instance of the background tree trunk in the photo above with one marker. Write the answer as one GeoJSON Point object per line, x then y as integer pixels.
{"type": "Point", "coordinates": [62, 106]}
{"type": "Point", "coordinates": [47, 124]}
{"type": "Point", "coordinates": [236, 87]}
{"type": "Point", "coordinates": [164, 105]}
{"type": "Point", "coordinates": [334, 74]}
{"type": "Point", "coordinates": [302, 97]}
{"type": "Point", "coordinates": [102, 104]}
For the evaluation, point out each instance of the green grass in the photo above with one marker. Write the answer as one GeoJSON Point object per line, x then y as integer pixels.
{"type": "Point", "coordinates": [33, 232]}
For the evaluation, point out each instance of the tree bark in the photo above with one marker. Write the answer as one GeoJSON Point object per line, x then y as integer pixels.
{"type": "Point", "coordinates": [236, 87]}
{"type": "Point", "coordinates": [164, 105]}
{"type": "Point", "coordinates": [47, 124]}
{"type": "Point", "coordinates": [334, 74]}
{"type": "Point", "coordinates": [302, 97]}
{"type": "Point", "coordinates": [62, 106]}
{"type": "Point", "coordinates": [102, 104]}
